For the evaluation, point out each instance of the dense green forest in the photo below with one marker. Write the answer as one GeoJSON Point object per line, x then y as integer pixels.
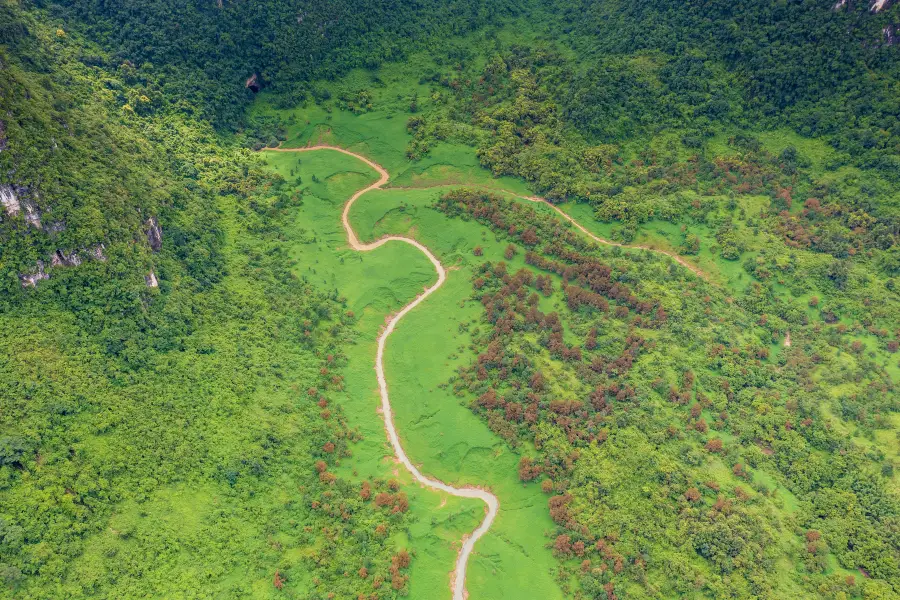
{"type": "Point", "coordinates": [171, 422]}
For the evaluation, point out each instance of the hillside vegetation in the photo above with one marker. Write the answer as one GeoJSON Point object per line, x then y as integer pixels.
{"type": "Point", "coordinates": [187, 401]}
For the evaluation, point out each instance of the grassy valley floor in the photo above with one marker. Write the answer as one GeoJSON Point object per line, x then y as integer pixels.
{"type": "Point", "coordinates": [443, 437]}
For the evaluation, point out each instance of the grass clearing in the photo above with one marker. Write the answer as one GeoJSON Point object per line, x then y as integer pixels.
{"type": "Point", "coordinates": [439, 434]}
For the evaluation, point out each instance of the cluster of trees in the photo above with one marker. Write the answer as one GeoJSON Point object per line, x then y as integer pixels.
{"type": "Point", "coordinates": [794, 216]}
{"type": "Point", "coordinates": [665, 407]}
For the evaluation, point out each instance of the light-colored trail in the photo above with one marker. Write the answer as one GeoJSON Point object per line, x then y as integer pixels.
{"type": "Point", "coordinates": [681, 261]}
{"type": "Point", "coordinates": [601, 240]}
{"type": "Point", "coordinates": [458, 577]}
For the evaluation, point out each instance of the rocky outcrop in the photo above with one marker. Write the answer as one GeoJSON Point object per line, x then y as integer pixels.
{"type": "Point", "coordinates": [10, 200]}
{"type": "Point", "coordinates": [32, 216]}
{"type": "Point", "coordinates": [154, 234]}
{"type": "Point", "coordinates": [14, 200]}
{"type": "Point", "coordinates": [32, 279]}
{"type": "Point", "coordinates": [3, 143]}
{"type": "Point", "coordinates": [891, 34]}
{"type": "Point", "coordinates": [150, 279]}
{"type": "Point", "coordinates": [60, 259]}
{"type": "Point", "coordinates": [253, 83]}
{"type": "Point", "coordinates": [875, 6]}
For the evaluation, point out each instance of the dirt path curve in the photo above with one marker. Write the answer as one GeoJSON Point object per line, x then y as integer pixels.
{"type": "Point", "coordinates": [677, 258]}
{"type": "Point", "coordinates": [601, 240]}
{"type": "Point", "coordinates": [458, 577]}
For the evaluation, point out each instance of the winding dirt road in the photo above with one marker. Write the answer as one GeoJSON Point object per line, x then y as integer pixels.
{"type": "Point", "coordinates": [458, 577]}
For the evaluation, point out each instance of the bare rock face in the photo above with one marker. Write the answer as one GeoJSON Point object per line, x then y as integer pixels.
{"type": "Point", "coordinates": [154, 234]}
{"type": "Point", "coordinates": [253, 83]}
{"type": "Point", "coordinates": [875, 6]}
{"type": "Point", "coordinates": [14, 200]}
{"type": "Point", "coordinates": [32, 216]}
{"type": "Point", "coordinates": [32, 279]}
{"type": "Point", "coordinates": [61, 259]}
{"type": "Point", "coordinates": [10, 200]}
{"type": "Point", "coordinates": [3, 143]}
{"type": "Point", "coordinates": [891, 34]}
{"type": "Point", "coordinates": [150, 279]}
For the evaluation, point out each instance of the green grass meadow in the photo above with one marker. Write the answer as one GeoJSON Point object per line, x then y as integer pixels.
{"type": "Point", "coordinates": [442, 436]}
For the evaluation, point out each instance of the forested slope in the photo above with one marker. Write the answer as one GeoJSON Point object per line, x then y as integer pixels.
{"type": "Point", "coordinates": [827, 69]}
{"type": "Point", "coordinates": [761, 143]}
